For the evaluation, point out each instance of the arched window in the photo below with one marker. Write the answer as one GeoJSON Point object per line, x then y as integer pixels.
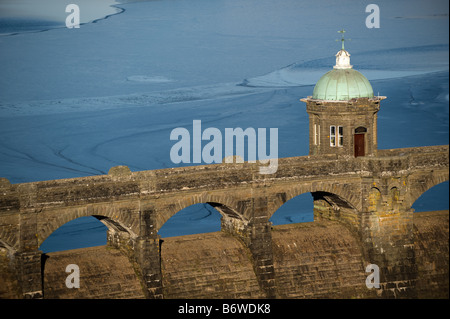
{"type": "Point", "coordinates": [360, 130]}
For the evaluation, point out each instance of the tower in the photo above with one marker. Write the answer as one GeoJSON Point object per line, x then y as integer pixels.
{"type": "Point", "coordinates": [343, 111]}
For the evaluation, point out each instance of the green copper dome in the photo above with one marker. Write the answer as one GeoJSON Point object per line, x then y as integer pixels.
{"type": "Point", "coordinates": [342, 85]}
{"type": "Point", "coordinates": [343, 82]}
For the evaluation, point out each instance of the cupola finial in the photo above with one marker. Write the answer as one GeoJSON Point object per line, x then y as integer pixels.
{"type": "Point", "coordinates": [342, 39]}
{"type": "Point", "coordinates": [342, 57]}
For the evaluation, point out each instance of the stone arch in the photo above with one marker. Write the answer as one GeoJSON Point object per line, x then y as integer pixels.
{"type": "Point", "coordinates": [340, 196]}
{"type": "Point", "coordinates": [297, 205]}
{"type": "Point", "coordinates": [9, 238]}
{"type": "Point", "coordinates": [329, 204]}
{"type": "Point", "coordinates": [225, 205]}
{"type": "Point", "coordinates": [420, 185]}
{"type": "Point", "coordinates": [106, 214]}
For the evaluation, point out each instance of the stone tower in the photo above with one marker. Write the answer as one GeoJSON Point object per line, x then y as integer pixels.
{"type": "Point", "coordinates": [343, 112]}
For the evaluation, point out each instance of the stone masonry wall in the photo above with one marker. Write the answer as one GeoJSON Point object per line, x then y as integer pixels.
{"type": "Point", "coordinates": [312, 260]}
{"type": "Point", "coordinates": [212, 265]}
{"type": "Point", "coordinates": [105, 273]}
{"type": "Point", "coordinates": [431, 234]}
{"type": "Point", "coordinates": [9, 285]}
{"type": "Point", "coordinates": [319, 260]}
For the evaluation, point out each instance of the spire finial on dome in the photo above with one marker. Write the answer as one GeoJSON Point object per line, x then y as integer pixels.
{"type": "Point", "coordinates": [342, 57]}
{"type": "Point", "coordinates": [342, 39]}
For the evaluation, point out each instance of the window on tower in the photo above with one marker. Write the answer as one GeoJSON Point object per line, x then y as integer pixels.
{"type": "Point", "coordinates": [336, 136]}
{"type": "Point", "coordinates": [332, 136]}
{"type": "Point", "coordinates": [316, 134]}
{"type": "Point", "coordinates": [340, 135]}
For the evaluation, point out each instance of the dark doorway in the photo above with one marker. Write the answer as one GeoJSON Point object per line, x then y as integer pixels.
{"type": "Point", "coordinates": [360, 141]}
